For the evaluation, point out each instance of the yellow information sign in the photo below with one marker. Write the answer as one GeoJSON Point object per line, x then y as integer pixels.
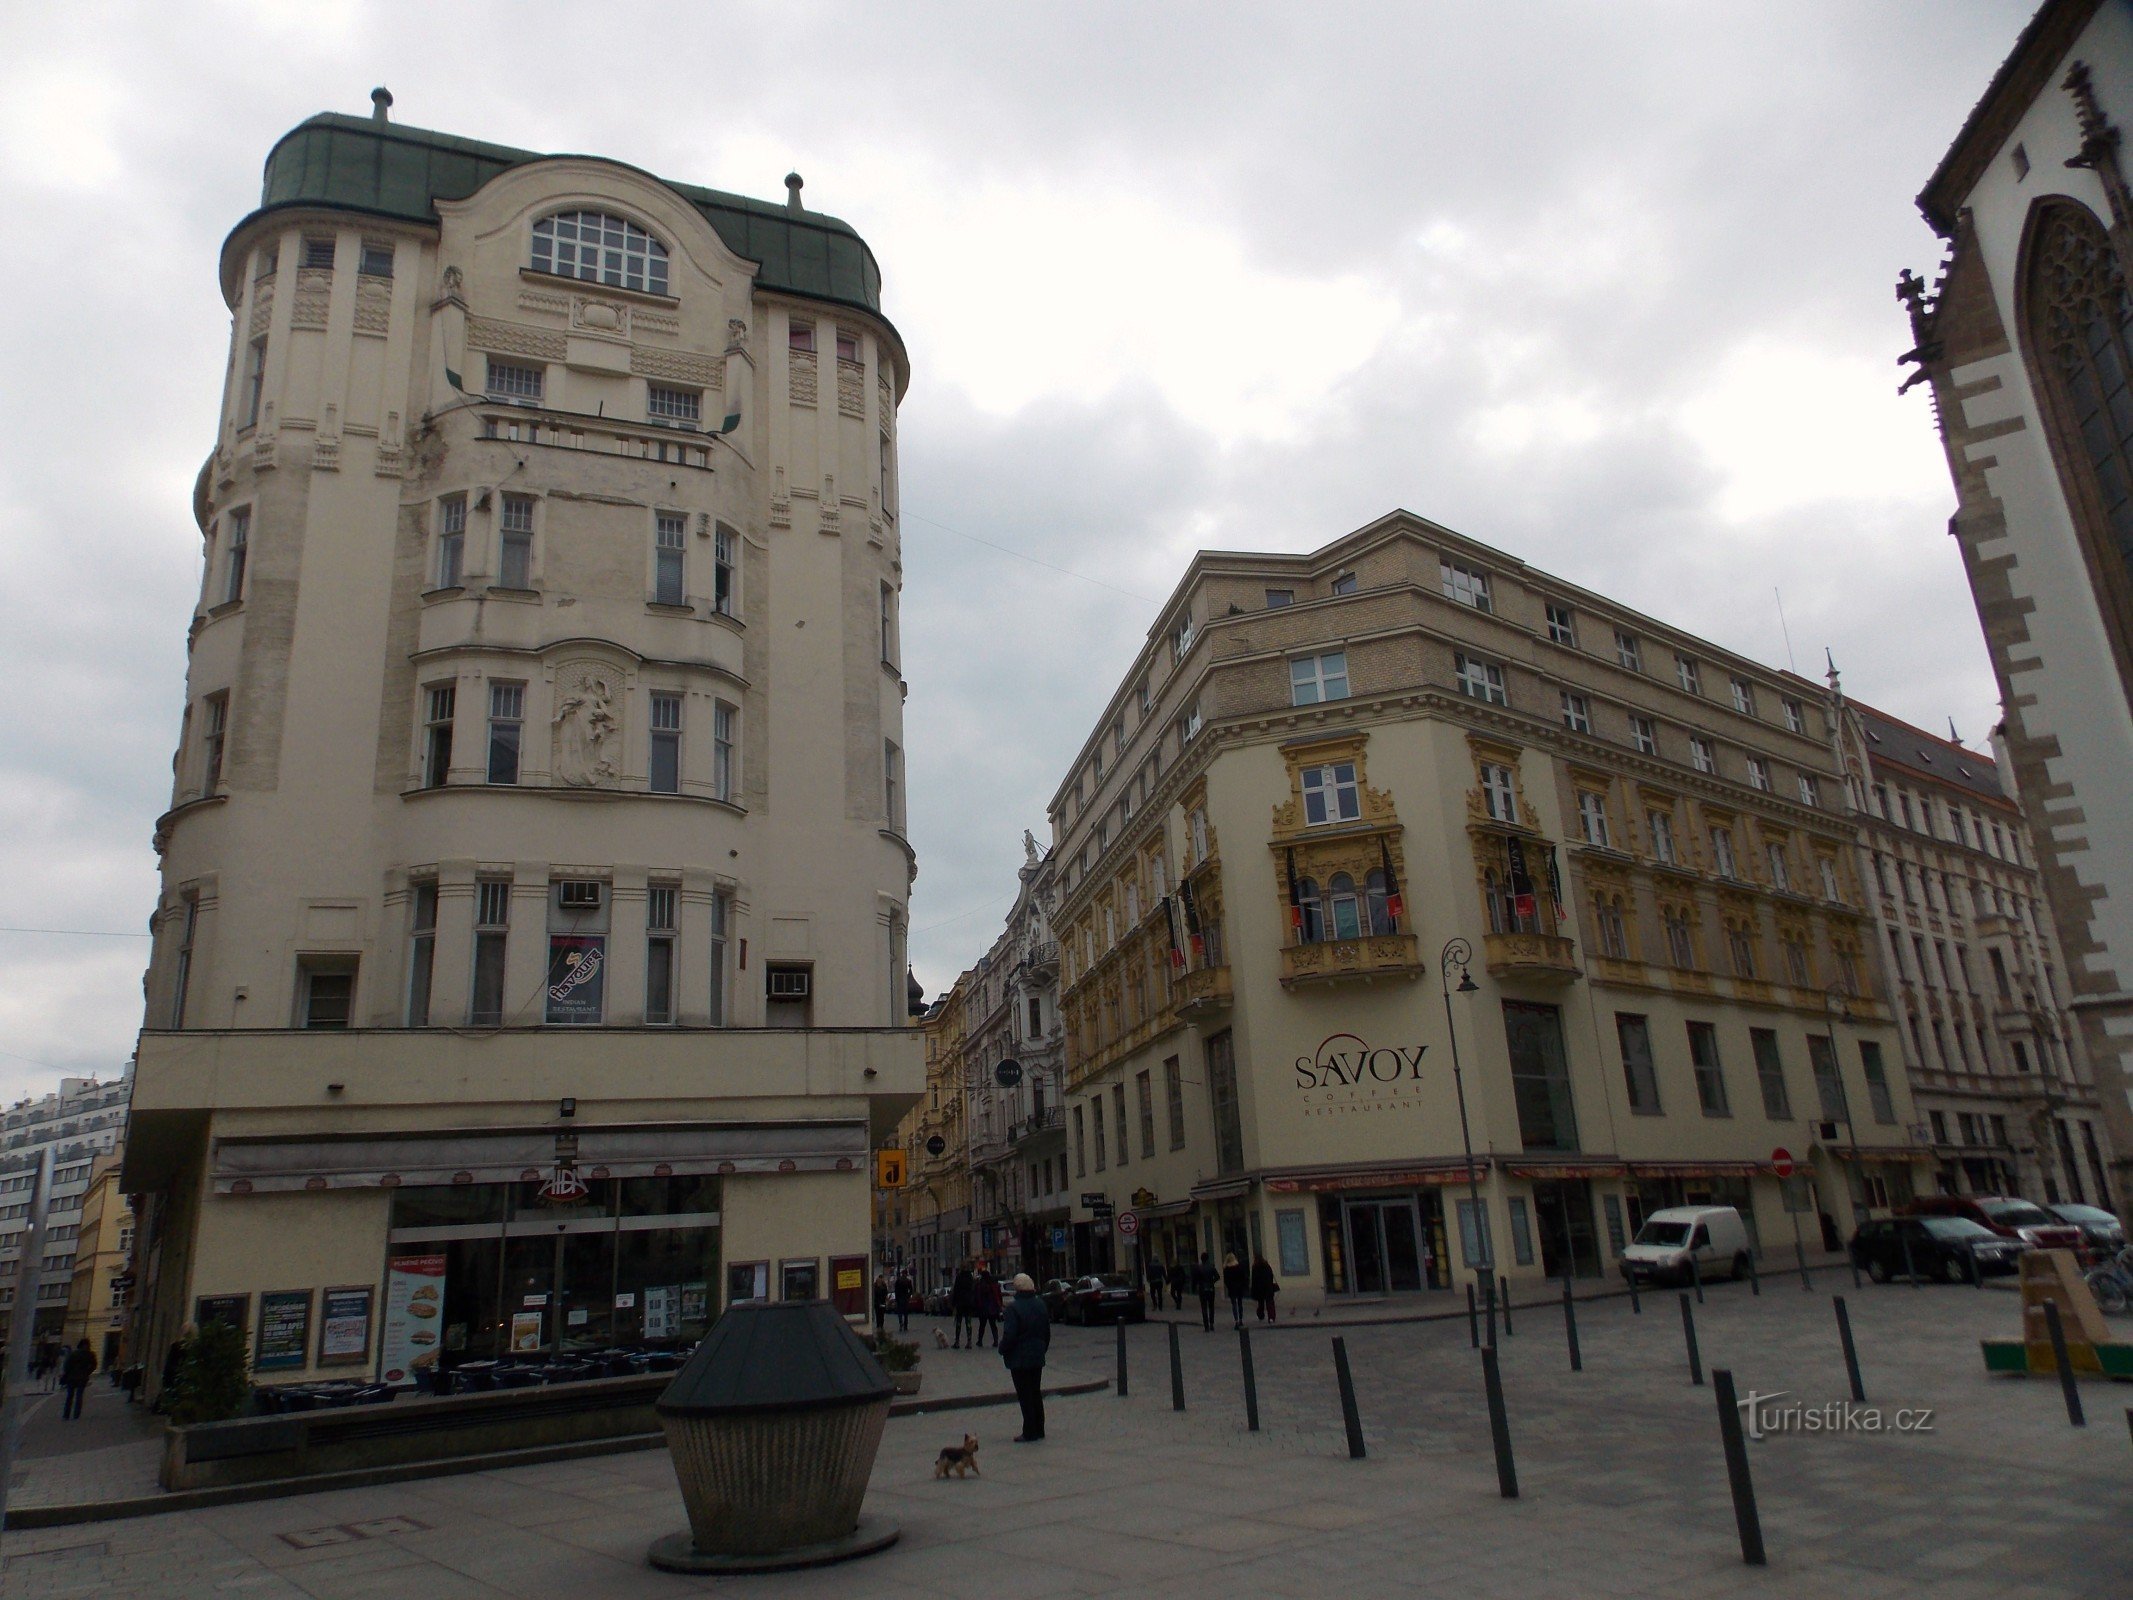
{"type": "Point", "coordinates": [888, 1169]}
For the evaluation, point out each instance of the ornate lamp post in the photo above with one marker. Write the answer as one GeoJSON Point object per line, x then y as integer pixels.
{"type": "Point", "coordinates": [1841, 1011]}
{"type": "Point", "coordinates": [1458, 953]}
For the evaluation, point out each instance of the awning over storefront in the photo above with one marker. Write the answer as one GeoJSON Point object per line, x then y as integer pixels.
{"type": "Point", "coordinates": [1221, 1189]}
{"type": "Point", "coordinates": [1868, 1155]}
{"type": "Point", "coordinates": [1333, 1181]}
{"type": "Point", "coordinates": [1698, 1169]}
{"type": "Point", "coordinates": [511, 1155]}
{"type": "Point", "coordinates": [1572, 1168]}
{"type": "Point", "coordinates": [1169, 1208]}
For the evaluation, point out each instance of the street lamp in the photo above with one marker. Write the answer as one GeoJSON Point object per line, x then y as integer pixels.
{"type": "Point", "coordinates": [1457, 953]}
{"type": "Point", "coordinates": [1841, 1011]}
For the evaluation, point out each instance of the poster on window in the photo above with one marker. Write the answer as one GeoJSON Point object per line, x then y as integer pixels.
{"type": "Point", "coordinates": [848, 1285]}
{"type": "Point", "coordinates": [526, 1332]}
{"type": "Point", "coordinates": [800, 1280]}
{"type": "Point", "coordinates": [659, 1311]}
{"type": "Point", "coordinates": [747, 1280]}
{"type": "Point", "coordinates": [414, 1308]}
{"type": "Point", "coordinates": [344, 1326]}
{"type": "Point", "coordinates": [284, 1330]}
{"type": "Point", "coordinates": [577, 976]}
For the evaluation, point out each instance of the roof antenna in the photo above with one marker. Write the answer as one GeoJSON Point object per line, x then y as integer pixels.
{"type": "Point", "coordinates": [1954, 738]}
{"type": "Point", "coordinates": [381, 99]}
{"type": "Point", "coordinates": [793, 183]}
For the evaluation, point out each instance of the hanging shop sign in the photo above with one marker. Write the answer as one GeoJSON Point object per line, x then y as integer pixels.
{"type": "Point", "coordinates": [1347, 1074]}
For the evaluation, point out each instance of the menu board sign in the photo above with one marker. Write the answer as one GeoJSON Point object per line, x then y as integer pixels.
{"type": "Point", "coordinates": [414, 1311]}
{"type": "Point", "coordinates": [526, 1332]}
{"type": "Point", "coordinates": [344, 1326]}
{"type": "Point", "coordinates": [284, 1329]}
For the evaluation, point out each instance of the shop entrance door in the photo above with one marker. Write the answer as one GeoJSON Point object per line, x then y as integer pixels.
{"type": "Point", "coordinates": [1384, 1246]}
{"type": "Point", "coordinates": [1563, 1211]}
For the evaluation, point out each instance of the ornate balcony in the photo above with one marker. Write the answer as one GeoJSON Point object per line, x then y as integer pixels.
{"type": "Point", "coordinates": [1536, 957]}
{"type": "Point", "coordinates": [1389, 955]}
{"type": "Point", "coordinates": [1041, 958]}
{"type": "Point", "coordinates": [1202, 993]}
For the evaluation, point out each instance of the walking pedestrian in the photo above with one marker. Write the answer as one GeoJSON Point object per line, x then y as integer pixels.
{"type": "Point", "coordinates": [1264, 1288]}
{"type": "Point", "coordinates": [987, 1291]}
{"type": "Point", "coordinates": [1156, 1279]}
{"type": "Point", "coordinates": [44, 1364]}
{"type": "Point", "coordinates": [962, 1300]}
{"type": "Point", "coordinates": [1237, 1284]}
{"type": "Point", "coordinates": [1025, 1336]}
{"type": "Point", "coordinates": [173, 1360]}
{"type": "Point", "coordinates": [905, 1289]}
{"type": "Point", "coordinates": [1203, 1285]}
{"type": "Point", "coordinates": [1178, 1275]}
{"type": "Point", "coordinates": [881, 1303]}
{"type": "Point", "coordinates": [74, 1376]}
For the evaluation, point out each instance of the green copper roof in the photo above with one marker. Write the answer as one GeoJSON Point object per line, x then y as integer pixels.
{"type": "Point", "coordinates": [385, 169]}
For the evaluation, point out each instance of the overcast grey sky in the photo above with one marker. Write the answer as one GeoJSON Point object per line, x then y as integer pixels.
{"type": "Point", "coordinates": [1605, 285]}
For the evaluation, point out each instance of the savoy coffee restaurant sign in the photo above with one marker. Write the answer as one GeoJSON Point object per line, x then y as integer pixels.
{"type": "Point", "coordinates": [1348, 1075]}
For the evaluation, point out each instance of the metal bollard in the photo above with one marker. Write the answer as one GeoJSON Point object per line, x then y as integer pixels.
{"type": "Point", "coordinates": [2057, 1330]}
{"type": "Point", "coordinates": [1177, 1372]}
{"type": "Point", "coordinates": [1488, 1296]}
{"type": "Point", "coordinates": [1688, 1332]}
{"type": "Point", "coordinates": [1507, 1308]}
{"type": "Point", "coordinates": [1910, 1267]}
{"type": "Point", "coordinates": [1473, 1324]}
{"type": "Point", "coordinates": [1851, 1351]}
{"type": "Point", "coordinates": [1499, 1426]}
{"type": "Point", "coordinates": [1696, 1277]}
{"type": "Point", "coordinates": [1736, 1447]}
{"type": "Point", "coordinates": [1121, 1360]}
{"type": "Point", "coordinates": [1251, 1381]}
{"type": "Point", "coordinates": [1570, 1327]}
{"type": "Point", "coordinates": [1755, 1278]}
{"type": "Point", "coordinates": [1349, 1415]}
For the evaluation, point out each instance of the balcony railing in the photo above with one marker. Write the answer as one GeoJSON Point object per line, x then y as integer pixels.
{"type": "Point", "coordinates": [1385, 955]}
{"type": "Point", "coordinates": [1035, 1123]}
{"type": "Point", "coordinates": [1543, 957]}
{"type": "Point", "coordinates": [1042, 957]}
{"type": "Point", "coordinates": [1202, 993]}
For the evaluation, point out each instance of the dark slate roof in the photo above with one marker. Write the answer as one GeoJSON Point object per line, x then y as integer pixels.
{"type": "Point", "coordinates": [1898, 743]}
{"type": "Point", "coordinates": [787, 1355]}
{"type": "Point", "coordinates": [389, 170]}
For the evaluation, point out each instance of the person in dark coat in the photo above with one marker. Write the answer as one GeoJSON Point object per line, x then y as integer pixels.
{"type": "Point", "coordinates": [881, 1303]}
{"type": "Point", "coordinates": [986, 1290]}
{"type": "Point", "coordinates": [963, 1301]}
{"type": "Point", "coordinates": [1264, 1288]}
{"type": "Point", "coordinates": [173, 1359]}
{"type": "Point", "coordinates": [1237, 1284]}
{"type": "Point", "coordinates": [1157, 1277]}
{"type": "Point", "coordinates": [1203, 1285]}
{"type": "Point", "coordinates": [74, 1375]}
{"type": "Point", "coordinates": [905, 1291]}
{"type": "Point", "coordinates": [1178, 1276]}
{"type": "Point", "coordinates": [1025, 1336]}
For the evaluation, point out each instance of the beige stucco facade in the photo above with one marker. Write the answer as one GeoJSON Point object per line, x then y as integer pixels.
{"type": "Point", "coordinates": [103, 1249]}
{"type": "Point", "coordinates": [538, 815]}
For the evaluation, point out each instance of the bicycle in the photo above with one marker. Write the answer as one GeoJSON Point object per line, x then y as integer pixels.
{"type": "Point", "coordinates": [2112, 1283]}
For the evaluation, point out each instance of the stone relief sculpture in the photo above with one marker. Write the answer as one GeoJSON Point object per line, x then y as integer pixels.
{"type": "Point", "coordinates": [588, 734]}
{"type": "Point", "coordinates": [1029, 847]}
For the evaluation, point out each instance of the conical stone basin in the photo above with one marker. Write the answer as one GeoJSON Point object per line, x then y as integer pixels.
{"type": "Point", "coordinates": [773, 1425]}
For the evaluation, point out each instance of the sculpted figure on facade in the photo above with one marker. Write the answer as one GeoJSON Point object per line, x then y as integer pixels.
{"type": "Point", "coordinates": [587, 731]}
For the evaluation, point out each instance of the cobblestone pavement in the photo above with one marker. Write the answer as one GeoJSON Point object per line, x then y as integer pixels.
{"type": "Point", "coordinates": [1624, 1490]}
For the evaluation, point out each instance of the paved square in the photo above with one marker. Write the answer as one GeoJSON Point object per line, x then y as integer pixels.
{"type": "Point", "coordinates": [1623, 1484]}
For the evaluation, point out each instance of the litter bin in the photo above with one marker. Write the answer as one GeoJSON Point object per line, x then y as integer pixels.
{"type": "Point", "coordinates": [773, 1425]}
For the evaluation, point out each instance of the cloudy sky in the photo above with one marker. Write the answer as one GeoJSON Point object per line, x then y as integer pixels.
{"type": "Point", "coordinates": [1605, 285]}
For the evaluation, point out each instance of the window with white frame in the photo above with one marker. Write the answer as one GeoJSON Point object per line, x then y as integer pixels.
{"type": "Point", "coordinates": [492, 925]}
{"type": "Point", "coordinates": [664, 776]}
{"type": "Point", "coordinates": [1828, 868]}
{"type": "Point", "coordinates": [439, 703]}
{"type": "Point", "coordinates": [669, 404]}
{"type": "Point", "coordinates": [1467, 585]}
{"type": "Point", "coordinates": [1660, 825]}
{"type": "Point", "coordinates": [1810, 791]}
{"type": "Point", "coordinates": [599, 248]}
{"type": "Point", "coordinates": [237, 537]}
{"type": "Point", "coordinates": [800, 337]}
{"type": "Point", "coordinates": [1759, 773]}
{"type": "Point", "coordinates": [514, 567]}
{"type": "Point", "coordinates": [670, 535]}
{"type": "Point", "coordinates": [376, 260]}
{"type": "Point", "coordinates": [1499, 792]}
{"type": "Point", "coordinates": [451, 555]}
{"type": "Point", "coordinates": [1795, 717]}
{"type": "Point", "coordinates": [1744, 697]}
{"type": "Point", "coordinates": [1644, 734]}
{"type": "Point", "coordinates": [1688, 674]}
{"type": "Point", "coordinates": [660, 926]}
{"type": "Point", "coordinates": [1181, 637]}
{"type": "Point", "coordinates": [325, 991]}
{"type": "Point", "coordinates": [1189, 724]}
{"type": "Point", "coordinates": [721, 939]}
{"type": "Point", "coordinates": [892, 798]}
{"type": "Point", "coordinates": [516, 379]}
{"type": "Point", "coordinates": [1592, 818]}
{"type": "Point", "coordinates": [181, 980]}
{"type": "Point", "coordinates": [1780, 875]}
{"type": "Point", "coordinates": [847, 346]}
{"type": "Point", "coordinates": [723, 718]}
{"type": "Point", "coordinates": [1331, 793]}
{"type": "Point", "coordinates": [422, 949]}
{"type": "Point", "coordinates": [1722, 860]}
{"type": "Point", "coordinates": [1562, 624]}
{"type": "Point", "coordinates": [1701, 754]}
{"type": "Point", "coordinates": [725, 558]}
{"type": "Point", "coordinates": [214, 730]}
{"type": "Point", "coordinates": [888, 626]}
{"type": "Point", "coordinates": [1628, 651]}
{"type": "Point", "coordinates": [255, 381]}
{"type": "Point", "coordinates": [1577, 712]}
{"type": "Point", "coordinates": [1480, 680]}
{"type": "Point", "coordinates": [1316, 678]}
{"type": "Point", "coordinates": [507, 728]}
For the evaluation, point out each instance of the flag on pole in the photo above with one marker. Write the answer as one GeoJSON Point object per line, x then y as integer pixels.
{"type": "Point", "coordinates": [1170, 921]}
{"type": "Point", "coordinates": [1393, 904]}
{"type": "Point", "coordinates": [1296, 910]}
{"type": "Point", "coordinates": [1192, 922]}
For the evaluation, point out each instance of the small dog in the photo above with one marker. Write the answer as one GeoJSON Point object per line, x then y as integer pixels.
{"type": "Point", "coordinates": [961, 1460]}
{"type": "Point", "coordinates": [940, 1339]}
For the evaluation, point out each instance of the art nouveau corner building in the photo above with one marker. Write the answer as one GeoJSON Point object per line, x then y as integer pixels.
{"type": "Point", "coordinates": [535, 872]}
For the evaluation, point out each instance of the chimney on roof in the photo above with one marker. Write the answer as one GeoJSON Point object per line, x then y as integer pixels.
{"type": "Point", "coordinates": [793, 184]}
{"type": "Point", "coordinates": [381, 100]}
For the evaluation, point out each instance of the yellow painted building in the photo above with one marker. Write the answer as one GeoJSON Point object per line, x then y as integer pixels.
{"type": "Point", "coordinates": [99, 1294]}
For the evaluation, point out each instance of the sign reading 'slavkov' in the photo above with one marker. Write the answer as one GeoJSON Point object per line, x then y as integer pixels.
{"type": "Point", "coordinates": [1347, 1073]}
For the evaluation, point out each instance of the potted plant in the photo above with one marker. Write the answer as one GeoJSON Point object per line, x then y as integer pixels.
{"type": "Point", "coordinates": [899, 1359]}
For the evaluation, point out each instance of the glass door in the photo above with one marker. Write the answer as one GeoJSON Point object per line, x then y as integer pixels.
{"type": "Point", "coordinates": [1366, 1249]}
{"type": "Point", "coordinates": [1385, 1246]}
{"type": "Point", "coordinates": [1403, 1246]}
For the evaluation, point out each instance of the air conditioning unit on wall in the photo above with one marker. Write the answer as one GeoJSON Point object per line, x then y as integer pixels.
{"type": "Point", "coordinates": [788, 983]}
{"type": "Point", "coordinates": [578, 895]}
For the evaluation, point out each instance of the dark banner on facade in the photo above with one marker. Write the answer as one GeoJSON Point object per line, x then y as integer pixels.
{"type": "Point", "coordinates": [577, 976]}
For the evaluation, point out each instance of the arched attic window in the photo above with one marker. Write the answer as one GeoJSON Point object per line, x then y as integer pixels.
{"type": "Point", "coordinates": [600, 248]}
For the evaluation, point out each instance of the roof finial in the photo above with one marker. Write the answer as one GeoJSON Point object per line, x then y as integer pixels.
{"type": "Point", "coordinates": [381, 99]}
{"type": "Point", "coordinates": [1953, 737]}
{"type": "Point", "coordinates": [793, 183]}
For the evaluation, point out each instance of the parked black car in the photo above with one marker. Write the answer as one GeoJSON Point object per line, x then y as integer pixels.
{"type": "Point", "coordinates": [1953, 1249]}
{"type": "Point", "coordinates": [2102, 1235]}
{"type": "Point", "coordinates": [1105, 1297]}
{"type": "Point", "coordinates": [1055, 1294]}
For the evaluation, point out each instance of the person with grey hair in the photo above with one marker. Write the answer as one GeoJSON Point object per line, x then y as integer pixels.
{"type": "Point", "coordinates": [1025, 1337]}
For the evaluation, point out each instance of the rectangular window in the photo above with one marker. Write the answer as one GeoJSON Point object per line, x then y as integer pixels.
{"type": "Point", "coordinates": [328, 996]}
{"type": "Point", "coordinates": [1743, 697]}
{"type": "Point", "coordinates": [1710, 1077]}
{"type": "Point", "coordinates": [1096, 1121]}
{"type": "Point", "coordinates": [1701, 756]}
{"type": "Point", "coordinates": [439, 702]}
{"type": "Point", "coordinates": [182, 979]}
{"type": "Point", "coordinates": [1592, 818]}
{"type": "Point", "coordinates": [1174, 1100]}
{"type": "Point", "coordinates": [1118, 1121]}
{"type": "Point", "coordinates": [670, 558]}
{"type": "Point", "coordinates": [723, 558]}
{"type": "Point", "coordinates": [1688, 674]}
{"type": "Point", "coordinates": [1660, 825]}
{"type": "Point", "coordinates": [1644, 734]}
{"type": "Point", "coordinates": [451, 541]}
{"type": "Point", "coordinates": [847, 346]}
{"type": "Point", "coordinates": [1770, 1074]}
{"type": "Point", "coordinates": [1759, 773]}
{"type": "Point", "coordinates": [1540, 1076]}
{"type": "Point", "coordinates": [507, 726]}
{"type": "Point", "coordinates": [800, 336]}
{"type": "Point", "coordinates": [888, 626]}
{"type": "Point", "coordinates": [1316, 678]}
{"type": "Point", "coordinates": [1222, 1100]}
{"type": "Point", "coordinates": [377, 260]}
{"type": "Point", "coordinates": [1829, 1083]}
{"type": "Point", "coordinates": [492, 919]}
{"type": "Point", "coordinates": [659, 930]}
{"type": "Point", "coordinates": [1795, 717]}
{"type": "Point", "coordinates": [1877, 1081]}
{"type": "Point", "coordinates": [1331, 794]}
{"type": "Point", "coordinates": [1081, 1147]}
{"type": "Point", "coordinates": [1344, 584]}
{"type": "Point", "coordinates": [1577, 712]}
{"type": "Point", "coordinates": [674, 405]}
{"type": "Point", "coordinates": [1740, 949]}
{"type": "Point", "coordinates": [721, 938]}
{"type": "Point", "coordinates": [1810, 791]}
{"type": "Point", "coordinates": [892, 798]}
{"type": "Point", "coordinates": [722, 729]}
{"type": "Point", "coordinates": [1467, 585]}
{"type": "Point", "coordinates": [514, 567]}
{"type": "Point", "coordinates": [255, 380]}
{"type": "Point", "coordinates": [422, 951]}
{"type": "Point", "coordinates": [1628, 651]}
{"type": "Point", "coordinates": [516, 379]}
{"type": "Point", "coordinates": [665, 773]}
{"type": "Point", "coordinates": [1499, 793]}
{"type": "Point", "coordinates": [1562, 624]}
{"type": "Point", "coordinates": [1828, 867]}
{"type": "Point", "coordinates": [238, 549]}
{"type": "Point", "coordinates": [318, 254]}
{"type": "Point", "coordinates": [1480, 680]}
{"type": "Point", "coordinates": [1780, 877]}
{"type": "Point", "coordinates": [269, 262]}
{"type": "Point", "coordinates": [1638, 1074]}
{"type": "Point", "coordinates": [1277, 598]}
{"type": "Point", "coordinates": [216, 731]}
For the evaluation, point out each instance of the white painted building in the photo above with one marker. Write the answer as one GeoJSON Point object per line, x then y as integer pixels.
{"type": "Point", "coordinates": [81, 1120]}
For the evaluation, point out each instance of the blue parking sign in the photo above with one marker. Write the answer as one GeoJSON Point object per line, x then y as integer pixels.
{"type": "Point", "coordinates": [1059, 1239]}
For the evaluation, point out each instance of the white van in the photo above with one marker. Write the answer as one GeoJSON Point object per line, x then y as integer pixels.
{"type": "Point", "coordinates": [1713, 1236]}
